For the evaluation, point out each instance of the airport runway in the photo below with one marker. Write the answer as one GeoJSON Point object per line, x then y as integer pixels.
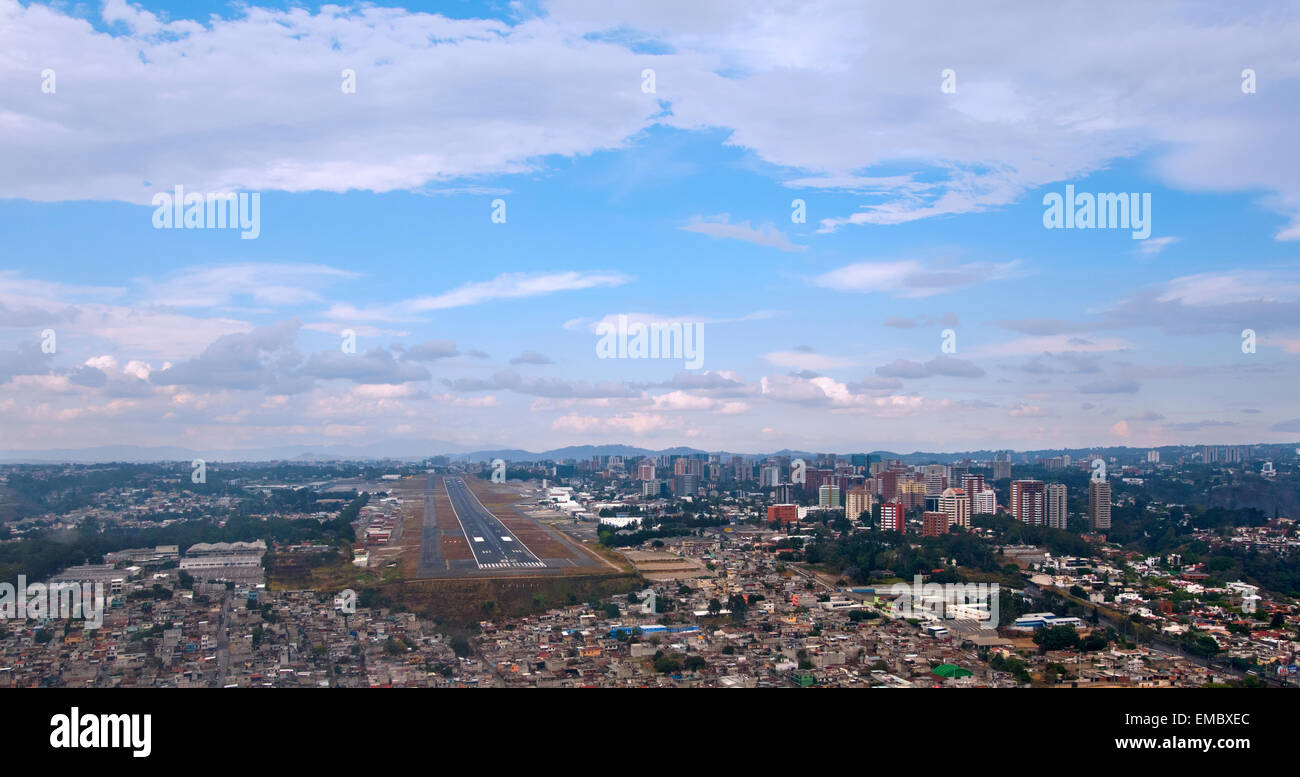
{"type": "Point", "coordinates": [430, 535]}
{"type": "Point", "coordinates": [494, 546]}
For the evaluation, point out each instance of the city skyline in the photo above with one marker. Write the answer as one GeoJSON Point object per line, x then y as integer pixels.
{"type": "Point", "coordinates": [922, 304]}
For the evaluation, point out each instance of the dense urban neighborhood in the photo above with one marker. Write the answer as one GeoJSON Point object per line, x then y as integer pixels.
{"type": "Point", "coordinates": [1112, 568]}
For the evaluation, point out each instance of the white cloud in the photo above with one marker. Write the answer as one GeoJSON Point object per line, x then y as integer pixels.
{"type": "Point", "coordinates": [807, 360]}
{"type": "Point", "coordinates": [911, 278]}
{"type": "Point", "coordinates": [720, 226]}
{"type": "Point", "coordinates": [504, 286]}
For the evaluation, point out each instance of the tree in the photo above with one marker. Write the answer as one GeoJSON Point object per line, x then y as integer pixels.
{"type": "Point", "coordinates": [1056, 638]}
{"type": "Point", "coordinates": [715, 606]}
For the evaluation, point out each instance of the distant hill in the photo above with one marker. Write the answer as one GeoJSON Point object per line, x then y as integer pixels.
{"type": "Point", "coordinates": [405, 450]}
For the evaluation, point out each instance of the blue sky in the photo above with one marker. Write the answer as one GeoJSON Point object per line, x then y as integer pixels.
{"type": "Point", "coordinates": [924, 213]}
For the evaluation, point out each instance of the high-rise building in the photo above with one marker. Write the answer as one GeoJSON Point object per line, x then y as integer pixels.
{"type": "Point", "coordinates": [954, 503]}
{"type": "Point", "coordinates": [935, 479]}
{"type": "Point", "coordinates": [646, 471]}
{"type": "Point", "coordinates": [784, 493]}
{"type": "Point", "coordinates": [893, 517]}
{"type": "Point", "coordinates": [971, 484]}
{"type": "Point", "coordinates": [912, 494]}
{"type": "Point", "coordinates": [856, 502]}
{"type": "Point", "coordinates": [934, 523]}
{"type": "Point", "coordinates": [984, 502]}
{"type": "Point", "coordinates": [828, 496]}
{"type": "Point", "coordinates": [769, 476]}
{"type": "Point", "coordinates": [1153, 457]}
{"type": "Point", "coordinates": [1056, 515]}
{"type": "Point", "coordinates": [1001, 470]}
{"type": "Point", "coordinates": [1029, 502]}
{"type": "Point", "coordinates": [1099, 504]}
{"type": "Point", "coordinates": [956, 472]}
{"type": "Point", "coordinates": [888, 485]}
{"type": "Point", "coordinates": [685, 485]}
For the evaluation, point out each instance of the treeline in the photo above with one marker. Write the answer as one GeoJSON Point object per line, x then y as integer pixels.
{"type": "Point", "coordinates": [42, 555]}
{"type": "Point", "coordinates": [669, 526]}
{"type": "Point", "coordinates": [859, 553]}
{"type": "Point", "coordinates": [1012, 532]}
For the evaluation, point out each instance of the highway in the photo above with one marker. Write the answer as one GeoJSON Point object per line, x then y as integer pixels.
{"type": "Point", "coordinates": [494, 546]}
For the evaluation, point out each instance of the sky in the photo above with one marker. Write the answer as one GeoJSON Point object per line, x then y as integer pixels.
{"type": "Point", "coordinates": [469, 192]}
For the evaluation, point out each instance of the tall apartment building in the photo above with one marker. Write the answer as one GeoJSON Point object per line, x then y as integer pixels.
{"type": "Point", "coordinates": [893, 517]}
{"type": "Point", "coordinates": [971, 484]}
{"type": "Point", "coordinates": [769, 476]}
{"type": "Point", "coordinates": [1099, 504]}
{"type": "Point", "coordinates": [858, 501]}
{"type": "Point", "coordinates": [984, 502]}
{"type": "Point", "coordinates": [1029, 502]}
{"type": "Point", "coordinates": [954, 503]}
{"type": "Point", "coordinates": [646, 471]}
{"type": "Point", "coordinates": [1056, 514]}
{"type": "Point", "coordinates": [1001, 470]}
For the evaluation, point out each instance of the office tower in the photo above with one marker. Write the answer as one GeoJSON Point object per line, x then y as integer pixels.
{"type": "Point", "coordinates": [1029, 502]}
{"type": "Point", "coordinates": [650, 489]}
{"type": "Point", "coordinates": [856, 502]}
{"type": "Point", "coordinates": [769, 476]}
{"type": "Point", "coordinates": [1099, 504]}
{"type": "Point", "coordinates": [1001, 470]}
{"type": "Point", "coordinates": [685, 485]}
{"type": "Point", "coordinates": [954, 503]}
{"type": "Point", "coordinates": [784, 493]}
{"type": "Point", "coordinates": [892, 517]}
{"type": "Point", "coordinates": [828, 496]}
{"type": "Point", "coordinates": [985, 502]}
{"type": "Point", "coordinates": [956, 472]}
{"type": "Point", "coordinates": [934, 523]}
{"type": "Point", "coordinates": [935, 480]}
{"type": "Point", "coordinates": [1056, 515]}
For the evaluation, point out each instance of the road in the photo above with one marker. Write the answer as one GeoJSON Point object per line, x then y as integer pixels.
{"type": "Point", "coordinates": [494, 546]}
